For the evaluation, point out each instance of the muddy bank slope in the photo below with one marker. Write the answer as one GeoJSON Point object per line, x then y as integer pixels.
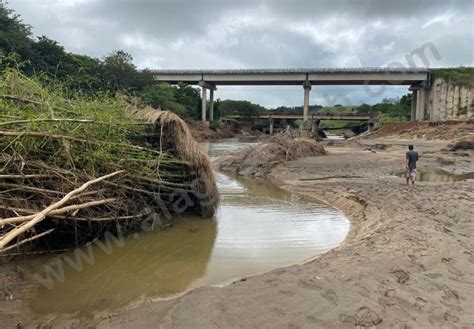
{"type": "Point", "coordinates": [408, 261]}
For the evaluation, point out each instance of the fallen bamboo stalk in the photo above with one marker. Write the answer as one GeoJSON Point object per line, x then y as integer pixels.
{"type": "Point", "coordinates": [65, 137]}
{"type": "Point", "coordinates": [20, 99]}
{"type": "Point", "coordinates": [19, 120]}
{"type": "Point", "coordinates": [102, 219]}
{"type": "Point", "coordinates": [37, 236]}
{"type": "Point", "coordinates": [20, 219]}
{"type": "Point", "coordinates": [7, 123]}
{"type": "Point", "coordinates": [25, 176]}
{"type": "Point", "coordinates": [30, 101]}
{"type": "Point", "coordinates": [29, 188]}
{"type": "Point", "coordinates": [7, 238]}
{"type": "Point", "coordinates": [96, 192]}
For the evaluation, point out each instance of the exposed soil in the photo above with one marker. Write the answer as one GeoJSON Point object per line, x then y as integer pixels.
{"type": "Point", "coordinates": [449, 130]}
{"type": "Point", "coordinates": [408, 261]}
{"type": "Point", "coordinates": [202, 131]}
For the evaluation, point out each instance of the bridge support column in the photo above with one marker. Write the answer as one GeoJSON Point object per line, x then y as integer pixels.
{"type": "Point", "coordinates": [420, 104]}
{"type": "Point", "coordinates": [314, 127]}
{"type": "Point", "coordinates": [413, 105]}
{"type": "Point", "coordinates": [271, 126]}
{"type": "Point", "coordinates": [307, 88]}
{"type": "Point", "coordinates": [204, 104]}
{"type": "Point", "coordinates": [211, 108]}
{"type": "Point", "coordinates": [206, 85]}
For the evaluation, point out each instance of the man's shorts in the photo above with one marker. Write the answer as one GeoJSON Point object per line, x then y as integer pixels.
{"type": "Point", "coordinates": [411, 173]}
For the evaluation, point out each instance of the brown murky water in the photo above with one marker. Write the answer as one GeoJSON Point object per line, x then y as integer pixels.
{"type": "Point", "coordinates": [258, 227]}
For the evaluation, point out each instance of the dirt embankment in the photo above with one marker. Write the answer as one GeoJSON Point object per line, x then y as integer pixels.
{"type": "Point", "coordinates": [201, 131]}
{"type": "Point", "coordinates": [408, 261]}
{"type": "Point", "coordinates": [449, 130]}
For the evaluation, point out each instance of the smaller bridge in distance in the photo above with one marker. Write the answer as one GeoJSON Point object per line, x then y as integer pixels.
{"type": "Point", "coordinates": [315, 119]}
{"type": "Point", "coordinates": [301, 117]}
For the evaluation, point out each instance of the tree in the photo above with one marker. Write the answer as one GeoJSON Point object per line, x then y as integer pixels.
{"type": "Point", "coordinates": [190, 98]}
{"type": "Point", "coordinates": [89, 75]}
{"type": "Point", "coordinates": [364, 109]}
{"type": "Point", "coordinates": [163, 96]}
{"type": "Point", "coordinates": [143, 79]}
{"type": "Point", "coordinates": [14, 34]}
{"type": "Point", "coordinates": [49, 57]}
{"type": "Point", "coordinates": [119, 71]}
{"type": "Point", "coordinates": [405, 101]}
{"type": "Point", "coordinates": [242, 108]}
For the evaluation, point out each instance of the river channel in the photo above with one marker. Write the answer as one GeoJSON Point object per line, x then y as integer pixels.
{"type": "Point", "coordinates": [258, 227]}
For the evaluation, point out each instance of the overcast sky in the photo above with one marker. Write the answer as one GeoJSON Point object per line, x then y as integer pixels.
{"type": "Point", "coordinates": [262, 34]}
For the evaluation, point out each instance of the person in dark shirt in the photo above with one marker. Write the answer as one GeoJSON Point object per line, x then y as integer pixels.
{"type": "Point", "coordinates": [410, 165]}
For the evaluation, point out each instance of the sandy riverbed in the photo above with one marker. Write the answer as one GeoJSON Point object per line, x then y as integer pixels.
{"type": "Point", "coordinates": [408, 261]}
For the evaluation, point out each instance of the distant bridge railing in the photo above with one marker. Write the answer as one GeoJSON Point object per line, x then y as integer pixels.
{"type": "Point", "coordinates": [301, 117]}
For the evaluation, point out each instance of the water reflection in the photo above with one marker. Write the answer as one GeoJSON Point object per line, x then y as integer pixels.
{"type": "Point", "coordinates": [262, 227]}
{"type": "Point", "coordinates": [155, 264]}
{"type": "Point", "coordinates": [258, 227]}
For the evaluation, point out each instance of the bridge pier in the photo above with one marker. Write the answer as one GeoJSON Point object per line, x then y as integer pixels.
{"type": "Point", "coordinates": [314, 126]}
{"type": "Point", "coordinates": [414, 94]}
{"type": "Point", "coordinates": [307, 88]}
{"type": "Point", "coordinates": [211, 108]}
{"type": "Point", "coordinates": [420, 104]}
{"type": "Point", "coordinates": [204, 104]}
{"type": "Point", "coordinates": [212, 87]}
{"type": "Point", "coordinates": [271, 126]}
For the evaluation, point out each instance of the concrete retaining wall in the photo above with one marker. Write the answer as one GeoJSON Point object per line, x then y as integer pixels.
{"type": "Point", "coordinates": [447, 101]}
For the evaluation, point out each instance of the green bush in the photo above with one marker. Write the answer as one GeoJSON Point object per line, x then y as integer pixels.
{"type": "Point", "coordinates": [214, 125]}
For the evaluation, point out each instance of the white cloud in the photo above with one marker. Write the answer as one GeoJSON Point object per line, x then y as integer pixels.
{"type": "Point", "coordinates": [443, 19]}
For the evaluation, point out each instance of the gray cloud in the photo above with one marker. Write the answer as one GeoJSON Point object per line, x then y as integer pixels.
{"type": "Point", "coordinates": [266, 33]}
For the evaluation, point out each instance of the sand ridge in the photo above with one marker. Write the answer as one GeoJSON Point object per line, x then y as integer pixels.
{"type": "Point", "coordinates": [408, 261]}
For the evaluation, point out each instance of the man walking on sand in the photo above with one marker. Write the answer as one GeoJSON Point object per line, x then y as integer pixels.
{"type": "Point", "coordinates": [410, 165]}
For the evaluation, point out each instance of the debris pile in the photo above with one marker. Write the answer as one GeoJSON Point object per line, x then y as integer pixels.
{"type": "Point", "coordinates": [74, 167]}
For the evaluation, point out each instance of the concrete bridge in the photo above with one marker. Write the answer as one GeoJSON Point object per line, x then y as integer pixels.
{"type": "Point", "coordinates": [315, 119]}
{"type": "Point", "coordinates": [418, 79]}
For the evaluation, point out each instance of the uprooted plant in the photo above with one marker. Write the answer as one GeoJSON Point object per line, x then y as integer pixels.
{"type": "Point", "coordinates": [51, 145]}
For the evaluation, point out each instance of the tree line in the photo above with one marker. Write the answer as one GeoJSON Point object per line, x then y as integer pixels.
{"type": "Point", "coordinates": [116, 72]}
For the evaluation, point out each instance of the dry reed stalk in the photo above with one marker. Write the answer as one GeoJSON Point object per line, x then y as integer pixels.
{"type": "Point", "coordinates": [7, 238]}
{"type": "Point", "coordinates": [20, 219]}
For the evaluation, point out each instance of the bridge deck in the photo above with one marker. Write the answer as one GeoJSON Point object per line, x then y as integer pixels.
{"type": "Point", "coordinates": [349, 76]}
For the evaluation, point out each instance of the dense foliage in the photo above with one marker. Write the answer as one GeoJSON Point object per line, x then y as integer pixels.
{"type": "Point", "coordinates": [243, 108]}
{"type": "Point", "coordinates": [390, 109]}
{"type": "Point", "coordinates": [182, 99]}
{"type": "Point", "coordinates": [49, 60]}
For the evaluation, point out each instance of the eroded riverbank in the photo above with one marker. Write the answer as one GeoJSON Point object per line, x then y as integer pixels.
{"type": "Point", "coordinates": [258, 227]}
{"type": "Point", "coordinates": [408, 261]}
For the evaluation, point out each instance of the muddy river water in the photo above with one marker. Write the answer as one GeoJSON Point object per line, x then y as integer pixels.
{"type": "Point", "coordinates": [258, 227]}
